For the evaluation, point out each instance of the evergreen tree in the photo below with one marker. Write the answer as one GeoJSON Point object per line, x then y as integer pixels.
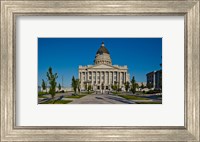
{"type": "Point", "coordinates": [59, 87]}
{"type": "Point", "coordinates": [43, 85]}
{"type": "Point", "coordinates": [78, 85]}
{"type": "Point", "coordinates": [149, 85]}
{"type": "Point", "coordinates": [127, 85]}
{"type": "Point", "coordinates": [142, 86]}
{"type": "Point", "coordinates": [52, 82]}
{"type": "Point", "coordinates": [133, 85]}
{"type": "Point", "coordinates": [74, 84]}
{"type": "Point", "coordinates": [89, 88]}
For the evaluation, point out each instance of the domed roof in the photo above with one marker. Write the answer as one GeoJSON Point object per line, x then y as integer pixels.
{"type": "Point", "coordinates": [102, 56]}
{"type": "Point", "coordinates": [102, 49]}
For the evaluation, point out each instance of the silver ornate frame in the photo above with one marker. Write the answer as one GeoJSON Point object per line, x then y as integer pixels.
{"type": "Point", "coordinates": [10, 9]}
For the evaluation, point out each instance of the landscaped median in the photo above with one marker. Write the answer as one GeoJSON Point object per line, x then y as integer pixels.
{"type": "Point", "coordinates": [140, 99]}
{"type": "Point", "coordinates": [75, 96]}
{"type": "Point", "coordinates": [57, 102]}
{"type": "Point", "coordinates": [132, 97]}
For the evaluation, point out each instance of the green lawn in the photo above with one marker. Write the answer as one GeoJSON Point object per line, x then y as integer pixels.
{"type": "Point", "coordinates": [57, 102]}
{"type": "Point", "coordinates": [76, 97]}
{"type": "Point", "coordinates": [42, 96]}
{"type": "Point", "coordinates": [149, 102]}
{"type": "Point", "coordinates": [86, 93]}
{"type": "Point", "coordinates": [130, 97]}
{"type": "Point", "coordinates": [116, 93]}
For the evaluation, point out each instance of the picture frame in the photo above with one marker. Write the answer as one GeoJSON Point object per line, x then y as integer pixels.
{"type": "Point", "coordinates": [10, 9]}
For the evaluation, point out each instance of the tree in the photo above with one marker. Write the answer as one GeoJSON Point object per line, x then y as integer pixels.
{"type": "Point", "coordinates": [78, 85]}
{"type": "Point", "coordinates": [149, 85]}
{"type": "Point", "coordinates": [127, 85]}
{"type": "Point", "coordinates": [52, 82]}
{"type": "Point", "coordinates": [74, 84]}
{"type": "Point", "coordinates": [43, 85]}
{"type": "Point", "coordinates": [142, 86]}
{"type": "Point", "coordinates": [114, 87]}
{"type": "Point", "coordinates": [86, 86]}
{"type": "Point", "coordinates": [59, 87]}
{"type": "Point", "coordinates": [133, 85]}
{"type": "Point", "coordinates": [89, 88]}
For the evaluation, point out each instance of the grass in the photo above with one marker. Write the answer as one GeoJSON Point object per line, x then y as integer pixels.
{"type": "Point", "coordinates": [139, 92]}
{"type": "Point", "coordinates": [130, 97]}
{"type": "Point", "coordinates": [149, 102]}
{"type": "Point", "coordinates": [42, 96]}
{"type": "Point", "coordinates": [57, 102]}
{"type": "Point", "coordinates": [87, 92]}
{"type": "Point", "coordinates": [76, 97]}
{"type": "Point", "coordinates": [116, 93]}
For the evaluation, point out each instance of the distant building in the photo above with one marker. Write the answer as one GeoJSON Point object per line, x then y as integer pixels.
{"type": "Point", "coordinates": [154, 79]}
{"type": "Point", "coordinates": [57, 89]}
{"type": "Point", "coordinates": [102, 75]}
{"type": "Point", "coordinates": [140, 84]}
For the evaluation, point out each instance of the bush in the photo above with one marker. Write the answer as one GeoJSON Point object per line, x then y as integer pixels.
{"type": "Point", "coordinates": [62, 91]}
{"type": "Point", "coordinates": [119, 89]}
{"type": "Point", "coordinates": [153, 91]}
{"type": "Point", "coordinates": [40, 94]}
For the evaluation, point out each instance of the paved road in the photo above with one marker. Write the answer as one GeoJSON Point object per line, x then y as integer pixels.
{"type": "Point", "coordinates": [102, 99]}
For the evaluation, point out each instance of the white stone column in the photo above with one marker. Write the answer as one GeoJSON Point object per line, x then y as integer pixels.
{"type": "Point", "coordinates": [120, 79]}
{"type": "Point", "coordinates": [108, 77]}
{"type": "Point", "coordinates": [113, 77]}
{"type": "Point", "coordinates": [96, 77]}
{"type": "Point", "coordinates": [100, 77]}
{"type": "Point", "coordinates": [124, 77]}
{"type": "Point", "coordinates": [92, 78]}
{"type": "Point", "coordinates": [105, 81]}
{"type": "Point", "coordinates": [87, 75]}
{"type": "Point", "coordinates": [117, 76]}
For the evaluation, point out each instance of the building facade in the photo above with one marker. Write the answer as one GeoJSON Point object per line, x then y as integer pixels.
{"type": "Point", "coordinates": [154, 79]}
{"type": "Point", "coordinates": [102, 75]}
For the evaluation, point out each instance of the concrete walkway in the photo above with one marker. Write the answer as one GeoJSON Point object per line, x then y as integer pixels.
{"type": "Point", "coordinates": [102, 99]}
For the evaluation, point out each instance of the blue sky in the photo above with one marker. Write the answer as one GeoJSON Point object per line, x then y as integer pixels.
{"type": "Point", "coordinates": [64, 55]}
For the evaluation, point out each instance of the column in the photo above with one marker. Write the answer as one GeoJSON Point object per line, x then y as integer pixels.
{"type": "Point", "coordinates": [100, 77]}
{"type": "Point", "coordinates": [79, 76]}
{"type": "Point", "coordinates": [87, 75]}
{"type": "Point", "coordinates": [96, 77]}
{"type": "Point", "coordinates": [108, 77]}
{"type": "Point", "coordinates": [113, 77]}
{"type": "Point", "coordinates": [92, 78]}
{"type": "Point", "coordinates": [125, 76]}
{"type": "Point", "coordinates": [105, 77]}
{"type": "Point", "coordinates": [119, 78]}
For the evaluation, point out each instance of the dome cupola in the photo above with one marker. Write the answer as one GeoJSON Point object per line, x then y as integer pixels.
{"type": "Point", "coordinates": [102, 49]}
{"type": "Point", "coordinates": [102, 56]}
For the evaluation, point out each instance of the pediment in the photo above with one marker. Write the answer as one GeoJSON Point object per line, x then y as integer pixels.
{"type": "Point", "coordinates": [102, 67]}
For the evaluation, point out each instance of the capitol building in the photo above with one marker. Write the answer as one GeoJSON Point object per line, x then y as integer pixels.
{"type": "Point", "coordinates": [102, 74]}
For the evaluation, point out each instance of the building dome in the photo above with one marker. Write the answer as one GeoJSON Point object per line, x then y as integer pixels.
{"type": "Point", "coordinates": [102, 56]}
{"type": "Point", "coordinates": [102, 49]}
